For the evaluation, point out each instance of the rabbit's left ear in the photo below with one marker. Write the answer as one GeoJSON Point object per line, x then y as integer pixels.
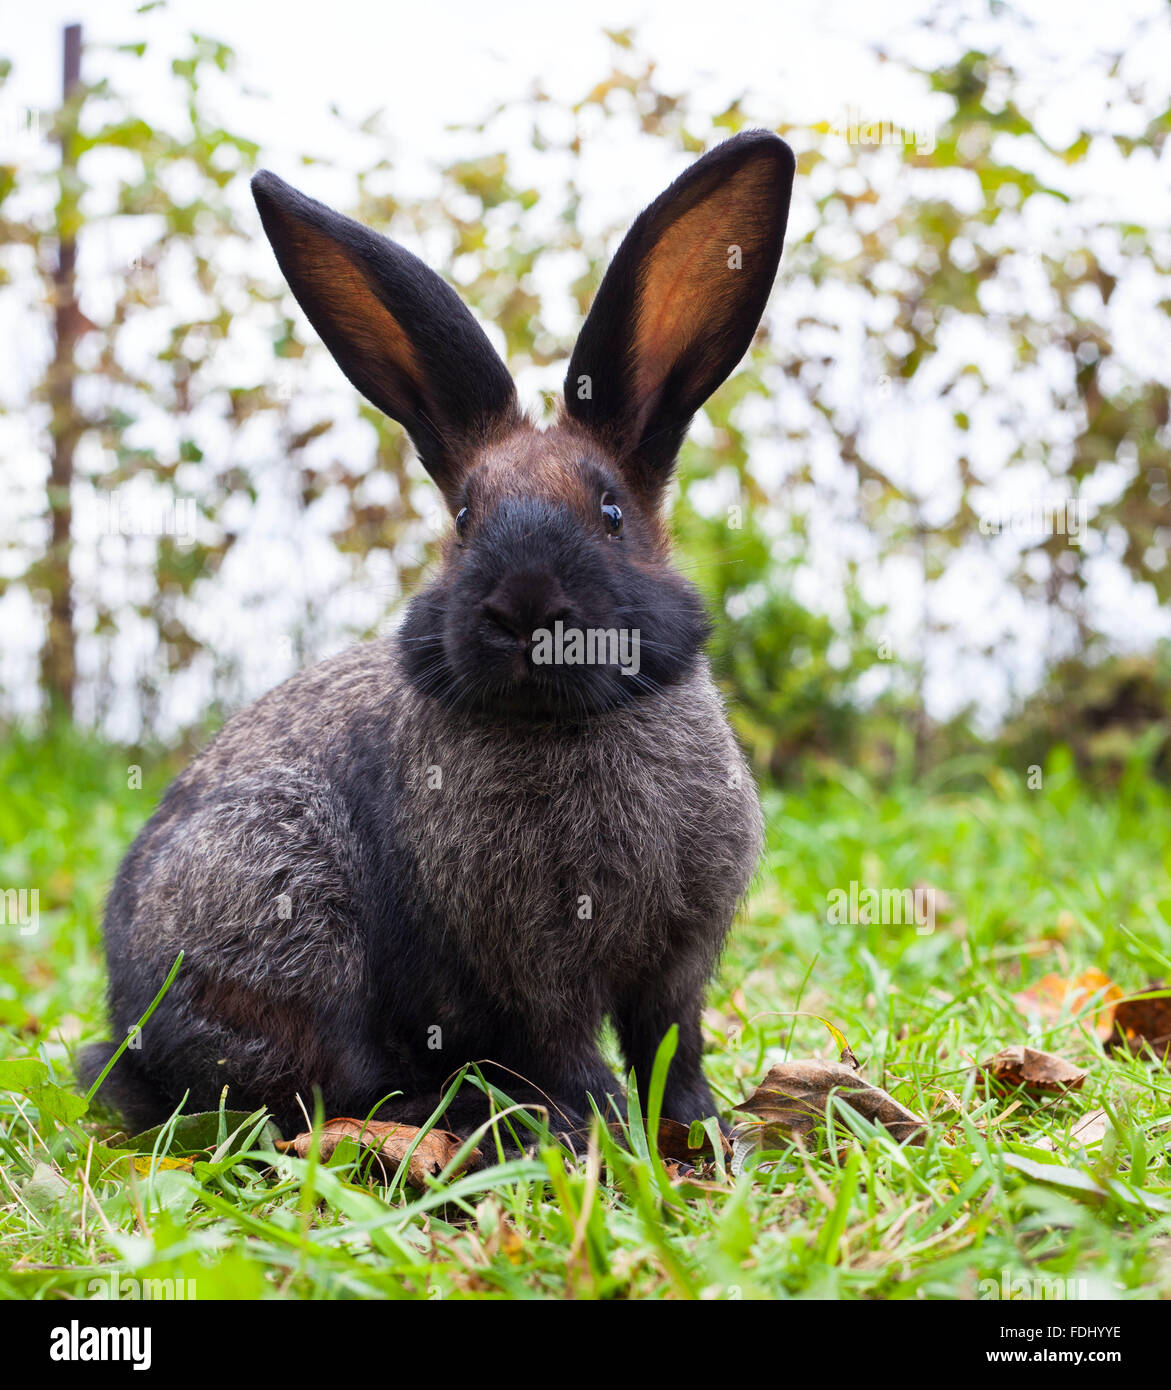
{"type": "Point", "coordinates": [679, 305]}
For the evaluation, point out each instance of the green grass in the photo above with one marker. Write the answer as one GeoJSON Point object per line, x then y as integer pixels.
{"type": "Point", "coordinates": [1049, 880]}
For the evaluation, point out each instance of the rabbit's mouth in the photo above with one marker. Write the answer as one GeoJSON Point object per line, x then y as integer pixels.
{"type": "Point", "coordinates": [539, 673]}
{"type": "Point", "coordinates": [561, 670]}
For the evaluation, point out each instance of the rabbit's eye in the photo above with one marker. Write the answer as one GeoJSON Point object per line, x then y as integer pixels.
{"type": "Point", "coordinates": [461, 523]}
{"type": "Point", "coordinates": [613, 518]}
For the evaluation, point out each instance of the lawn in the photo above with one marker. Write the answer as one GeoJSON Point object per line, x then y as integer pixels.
{"type": "Point", "coordinates": [1024, 883]}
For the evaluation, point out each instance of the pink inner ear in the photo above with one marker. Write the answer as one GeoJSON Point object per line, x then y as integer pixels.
{"type": "Point", "coordinates": [687, 287]}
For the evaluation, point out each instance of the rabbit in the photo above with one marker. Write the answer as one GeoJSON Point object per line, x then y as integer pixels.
{"type": "Point", "coordinates": [434, 848]}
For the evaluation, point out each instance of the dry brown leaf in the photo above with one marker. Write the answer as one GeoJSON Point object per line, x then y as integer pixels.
{"type": "Point", "coordinates": [390, 1140]}
{"type": "Point", "coordinates": [673, 1144]}
{"type": "Point", "coordinates": [1090, 1129]}
{"type": "Point", "coordinates": [946, 1102]}
{"type": "Point", "coordinates": [1142, 1022]}
{"type": "Point", "coordinates": [1039, 1072]}
{"type": "Point", "coordinates": [1053, 998]}
{"type": "Point", "coordinates": [793, 1098]}
{"type": "Point", "coordinates": [682, 1163]}
{"type": "Point", "coordinates": [685, 1166]}
{"type": "Point", "coordinates": [684, 1175]}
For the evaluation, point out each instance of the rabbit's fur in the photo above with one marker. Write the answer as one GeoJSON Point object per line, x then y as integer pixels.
{"type": "Point", "coordinates": [430, 850]}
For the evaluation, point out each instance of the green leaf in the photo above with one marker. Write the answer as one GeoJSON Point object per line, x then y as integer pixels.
{"type": "Point", "coordinates": [1075, 1181]}
{"type": "Point", "coordinates": [46, 1189]}
{"type": "Point", "coordinates": [58, 1103]}
{"type": "Point", "coordinates": [22, 1073]}
{"type": "Point", "coordinates": [198, 1133]}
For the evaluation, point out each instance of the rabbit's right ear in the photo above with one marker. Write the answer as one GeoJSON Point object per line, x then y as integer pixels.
{"type": "Point", "coordinates": [400, 333]}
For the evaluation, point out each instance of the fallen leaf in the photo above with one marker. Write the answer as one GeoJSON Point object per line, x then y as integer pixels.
{"type": "Point", "coordinates": [1090, 1129]}
{"type": "Point", "coordinates": [1035, 1071]}
{"type": "Point", "coordinates": [674, 1144]}
{"type": "Point", "coordinates": [686, 1166]}
{"type": "Point", "coordinates": [390, 1140]}
{"type": "Point", "coordinates": [946, 1102]}
{"type": "Point", "coordinates": [1052, 998]}
{"type": "Point", "coordinates": [145, 1164]}
{"type": "Point", "coordinates": [681, 1162]}
{"type": "Point", "coordinates": [1139, 1023]}
{"type": "Point", "coordinates": [1075, 1181]}
{"type": "Point", "coordinates": [1072, 1179]}
{"type": "Point", "coordinates": [683, 1175]}
{"type": "Point", "coordinates": [200, 1133]}
{"type": "Point", "coordinates": [793, 1098]}
{"type": "Point", "coordinates": [46, 1188]}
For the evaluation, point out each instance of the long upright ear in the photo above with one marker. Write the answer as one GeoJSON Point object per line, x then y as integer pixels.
{"type": "Point", "coordinates": [680, 302]}
{"type": "Point", "coordinates": [400, 333]}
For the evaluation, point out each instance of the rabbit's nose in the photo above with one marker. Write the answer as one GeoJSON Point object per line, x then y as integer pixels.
{"type": "Point", "coordinates": [524, 602]}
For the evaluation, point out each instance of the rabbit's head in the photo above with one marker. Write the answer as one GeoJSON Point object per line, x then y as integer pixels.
{"type": "Point", "coordinates": [556, 593]}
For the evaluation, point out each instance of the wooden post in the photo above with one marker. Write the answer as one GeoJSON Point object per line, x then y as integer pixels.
{"type": "Point", "coordinates": [58, 657]}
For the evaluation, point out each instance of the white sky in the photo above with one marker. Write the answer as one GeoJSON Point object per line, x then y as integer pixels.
{"type": "Point", "coordinates": [428, 65]}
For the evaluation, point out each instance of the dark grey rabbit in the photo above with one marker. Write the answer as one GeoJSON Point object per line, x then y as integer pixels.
{"type": "Point", "coordinates": [438, 848]}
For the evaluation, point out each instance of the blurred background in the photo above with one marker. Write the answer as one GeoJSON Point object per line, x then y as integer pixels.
{"type": "Point", "coordinates": [931, 511]}
{"type": "Point", "coordinates": [930, 514]}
